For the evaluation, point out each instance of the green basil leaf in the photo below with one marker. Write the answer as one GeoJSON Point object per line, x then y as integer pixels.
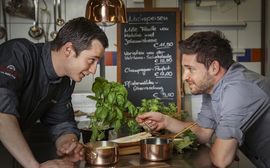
{"type": "Point", "coordinates": [101, 135]}
{"type": "Point", "coordinates": [117, 125]}
{"type": "Point", "coordinates": [120, 100]}
{"type": "Point", "coordinates": [104, 113]}
{"type": "Point", "coordinates": [111, 98]}
{"type": "Point", "coordinates": [119, 113]}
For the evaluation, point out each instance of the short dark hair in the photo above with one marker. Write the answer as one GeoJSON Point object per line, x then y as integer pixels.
{"type": "Point", "coordinates": [209, 46]}
{"type": "Point", "coordinates": [80, 32]}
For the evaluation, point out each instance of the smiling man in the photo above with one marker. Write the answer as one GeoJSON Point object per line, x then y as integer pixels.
{"type": "Point", "coordinates": [235, 106]}
{"type": "Point", "coordinates": [36, 83]}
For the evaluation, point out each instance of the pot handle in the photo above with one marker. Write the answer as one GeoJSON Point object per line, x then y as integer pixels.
{"type": "Point", "coordinates": [93, 155]}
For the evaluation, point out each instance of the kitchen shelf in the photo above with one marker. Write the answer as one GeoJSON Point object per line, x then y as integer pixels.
{"type": "Point", "coordinates": [216, 24]}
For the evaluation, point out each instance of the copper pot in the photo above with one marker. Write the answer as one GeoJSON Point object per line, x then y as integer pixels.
{"type": "Point", "coordinates": [102, 153]}
{"type": "Point", "coordinates": [156, 149]}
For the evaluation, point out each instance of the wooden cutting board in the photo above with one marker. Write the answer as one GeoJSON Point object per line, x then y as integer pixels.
{"type": "Point", "coordinates": [129, 150]}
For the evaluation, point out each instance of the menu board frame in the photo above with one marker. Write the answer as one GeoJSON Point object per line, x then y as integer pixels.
{"type": "Point", "coordinates": [176, 32]}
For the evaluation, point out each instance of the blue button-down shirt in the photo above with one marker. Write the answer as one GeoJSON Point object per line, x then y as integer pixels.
{"type": "Point", "coordinates": [239, 103]}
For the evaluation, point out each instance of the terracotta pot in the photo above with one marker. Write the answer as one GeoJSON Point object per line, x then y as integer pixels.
{"type": "Point", "coordinates": [87, 132]}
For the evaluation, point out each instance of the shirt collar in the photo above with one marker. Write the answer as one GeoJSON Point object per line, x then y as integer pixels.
{"type": "Point", "coordinates": [47, 60]}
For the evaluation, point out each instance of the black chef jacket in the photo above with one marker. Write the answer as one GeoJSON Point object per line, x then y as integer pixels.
{"type": "Point", "coordinates": [31, 90]}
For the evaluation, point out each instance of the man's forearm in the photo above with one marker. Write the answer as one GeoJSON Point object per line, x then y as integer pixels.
{"type": "Point", "coordinates": [223, 152]}
{"type": "Point", "coordinates": [12, 138]}
{"type": "Point", "coordinates": [175, 125]}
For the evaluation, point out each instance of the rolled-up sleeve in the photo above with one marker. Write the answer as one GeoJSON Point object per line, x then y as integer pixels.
{"type": "Point", "coordinates": [240, 103]}
{"type": "Point", "coordinates": [64, 128]}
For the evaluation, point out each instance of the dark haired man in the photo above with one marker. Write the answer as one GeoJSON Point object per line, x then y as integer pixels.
{"type": "Point", "coordinates": [36, 83]}
{"type": "Point", "coordinates": [235, 106]}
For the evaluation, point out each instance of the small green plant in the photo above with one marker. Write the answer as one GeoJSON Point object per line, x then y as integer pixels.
{"type": "Point", "coordinates": [111, 106]}
{"type": "Point", "coordinates": [156, 105]}
{"type": "Point", "coordinates": [114, 110]}
{"type": "Point", "coordinates": [186, 142]}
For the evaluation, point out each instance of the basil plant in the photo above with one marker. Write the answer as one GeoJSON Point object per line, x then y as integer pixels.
{"type": "Point", "coordinates": [112, 108]}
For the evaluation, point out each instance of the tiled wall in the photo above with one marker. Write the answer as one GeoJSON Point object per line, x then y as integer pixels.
{"type": "Point", "coordinates": [223, 13]}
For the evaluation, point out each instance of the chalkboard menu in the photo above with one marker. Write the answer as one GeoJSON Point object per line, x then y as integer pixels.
{"type": "Point", "coordinates": [148, 56]}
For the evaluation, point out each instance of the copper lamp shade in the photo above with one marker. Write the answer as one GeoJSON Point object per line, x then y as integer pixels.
{"type": "Point", "coordinates": [106, 12]}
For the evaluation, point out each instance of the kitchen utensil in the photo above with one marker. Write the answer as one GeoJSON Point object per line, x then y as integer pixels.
{"type": "Point", "coordinates": [53, 34]}
{"type": "Point", "coordinates": [59, 21]}
{"type": "Point", "coordinates": [101, 153]}
{"type": "Point", "coordinates": [132, 138]}
{"type": "Point", "coordinates": [156, 149]}
{"type": "Point", "coordinates": [35, 31]}
{"type": "Point", "coordinates": [45, 18]}
{"type": "Point", "coordinates": [20, 8]}
{"type": "Point", "coordinates": [2, 32]}
{"type": "Point", "coordinates": [173, 136]}
{"type": "Point", "coordinates": [148, 129]}
{"type": "Point", "coordinates": [184, 130]}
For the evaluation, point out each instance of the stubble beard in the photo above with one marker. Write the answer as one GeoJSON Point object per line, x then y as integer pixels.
{"type": "Point", "coordinates": [203, 86]}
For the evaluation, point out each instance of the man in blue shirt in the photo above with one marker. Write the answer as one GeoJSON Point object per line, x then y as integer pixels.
{"type": "Point", "coordinates": [36, 83]}
{"type": "Point", "coordinates": [235, 106]}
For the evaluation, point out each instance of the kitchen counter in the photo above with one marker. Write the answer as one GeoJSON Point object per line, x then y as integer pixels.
{"type": "Point", "coordinates": [190, 159]}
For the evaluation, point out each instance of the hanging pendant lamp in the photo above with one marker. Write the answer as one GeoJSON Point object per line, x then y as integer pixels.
{"type": "Point", "coordinates": [106, 12]}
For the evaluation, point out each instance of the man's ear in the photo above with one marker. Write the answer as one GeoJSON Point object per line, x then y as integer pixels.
{"type": "Point", "coordinates": [214, 68]}
{"type": "Point", "coordinates": [68, 48]}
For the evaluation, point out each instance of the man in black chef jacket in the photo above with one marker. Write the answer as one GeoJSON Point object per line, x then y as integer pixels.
{"type": "Point", "coordinates": [36, 83]}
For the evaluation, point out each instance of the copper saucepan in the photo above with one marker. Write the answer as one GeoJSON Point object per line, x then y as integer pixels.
{"type": "Point", "coordinates": [101, 153]}
{"type": "Point", "coordinates": [156, 149]}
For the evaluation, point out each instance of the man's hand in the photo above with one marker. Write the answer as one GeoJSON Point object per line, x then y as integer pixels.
{"type": "Point", "coordinates": [69, 148]}
{"type": "Point", "coordinates": [154, 120]}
